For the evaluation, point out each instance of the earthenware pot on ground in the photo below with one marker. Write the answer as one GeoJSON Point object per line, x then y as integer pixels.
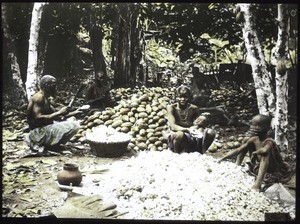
{"type": "Point", "coordinates": [69, 175]}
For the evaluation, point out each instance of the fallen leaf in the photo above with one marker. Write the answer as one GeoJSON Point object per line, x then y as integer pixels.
{"type": "Point", "coordinates": [49, 161]}
{"type": "Point", "coordinates": [26, 199]}
{"type": "Point", "coordinates": [9, 136]}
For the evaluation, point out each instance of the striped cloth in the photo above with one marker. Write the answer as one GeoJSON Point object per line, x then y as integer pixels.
{"type": "Point", "coordinates": [53, 134]}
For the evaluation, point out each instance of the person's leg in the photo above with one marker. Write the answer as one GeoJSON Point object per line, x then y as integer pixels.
{"type": "Point", "coordinates": [263, 167]}
{"type": "Point", "coordinates": [178, 142]}
{"type": "Point", "coordinates": [240, 157]}
{"type": "Point", "coordinates": [208, 138]}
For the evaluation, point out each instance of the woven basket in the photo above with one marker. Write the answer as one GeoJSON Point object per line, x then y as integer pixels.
{"type": "Point", "coordinates": [108, 149]}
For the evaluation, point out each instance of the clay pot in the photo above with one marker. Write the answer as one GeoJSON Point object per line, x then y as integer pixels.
{"type": "Point", "coordinates": [69, 175]}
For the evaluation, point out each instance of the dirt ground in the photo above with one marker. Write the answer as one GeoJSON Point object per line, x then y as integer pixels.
{"type": "Point", "coordinates": [29, 184]}
{"type": "Point", "coordinates": [30, 187]}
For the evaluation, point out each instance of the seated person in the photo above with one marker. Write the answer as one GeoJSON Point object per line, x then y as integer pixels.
{"type": "Point", "coordinates": [266, 161]}
{"type": "Point", "coordinates": [98, 94]}
{"type": "Point", "coordinates": [45, 128]}
{"type": "Point", "coordinates": [182, 118]}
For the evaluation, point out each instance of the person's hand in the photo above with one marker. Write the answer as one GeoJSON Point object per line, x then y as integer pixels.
{"type": "Point", "coordinates": [220, 109]}
{"type": "Point", "coordinates": [220, 160]}
{"type": "Point", "coordinates": [192, 130]}
{"type": "Point", "coordinates": [260, 151]}
{"type": "Point", "coordinates": [64, 110]}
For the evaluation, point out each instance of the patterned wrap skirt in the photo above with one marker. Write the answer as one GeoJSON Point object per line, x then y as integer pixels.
{"type": "Point", "coordinates": [194, 144]}
{"type": "Point", "coordinates": [53, 134]}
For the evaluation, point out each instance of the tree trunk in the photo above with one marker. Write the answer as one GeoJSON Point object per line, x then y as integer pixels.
{"type": "Point", "coordinates": [32, 76]}
{"type": "Point", "coordinates": [281, 55]}
{"type": "Point", "coordinates": [121, 73]}
{"type": "Point", "coordinates": [128, 50]}
{"type": "Point", "coordinates": [96, 40]}
{"type": "Point", "coordinates": [18, 92]}
{"type": "Point", "coordinates": [261, 76]}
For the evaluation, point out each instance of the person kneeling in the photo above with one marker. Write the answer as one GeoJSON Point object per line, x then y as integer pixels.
{"type": "Point", "coordinates": [183, 118]}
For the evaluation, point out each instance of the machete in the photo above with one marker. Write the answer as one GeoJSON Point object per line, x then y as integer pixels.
{"type": "Point", "coordinates": [76, 95]}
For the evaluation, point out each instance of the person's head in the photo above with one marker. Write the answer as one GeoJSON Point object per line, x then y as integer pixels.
{"type": "Point", "coordinates": [260, 123]}
{"type": "Point", "coordinates": [100, 79]}
{"type": "Point", "coordinates": [48, 85]}
{"type": "Point", "coordinates": [201, 121]}
{"type": "Point", "coordinates": [183, 94]}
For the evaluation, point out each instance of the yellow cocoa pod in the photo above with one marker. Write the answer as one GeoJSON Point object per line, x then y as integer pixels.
{"type": "Point", "coordinates": [162, 121]}
{"type": "Point", "coordinates": [110, 111]}
{"type": "Point", "coordinates": [144, 97]}
{"type": "Point", "coordinates": [142, 125]}
{"type": "Point", "coordinates": [133, 110]}
{"type": "Point", "coordinates": [153, 139]}
{"type": "Point", "coordinates": [132, 119]}
{"type": "Point", "coordinates": [156, 118]}
{"type": "Point", "coordinates": [132, 133]}
{"type": "Point", "coordinates": [130, 114]}
{"type": "Point", "coordinates": [126, 124]}
{"type": "Point", "coordinates": [91, 124]}
{"type": "Point", "coordinates": [143, 115]}
{"type": "Point", "coordinates": [108, 122]}
{"type": "Point", "coordinates": [105, 117]}
{"type": "Point", "coordinates": [125, 118]}
{"type": "Point", "coordinates": [124, 110]}
{"type": "Point", "coordinates": [160, 128]}
{"type": "Point", "coordinates": [142, 132]}
{"type": "Point", "coordinates": [92, 117]}
{"type": "Point", "coordinates": [135, 129]}
{"type": "Point", "coordinates": [158, 143]}
{"type": "Point", "coordinates": [141, 139]}
{"type": "Point", "coordinates": [157, 134]}
{"type": "Point", "coordinates": [150, 121]}
{"type": "Point", "coordinates": [142, 146]}
{"type": "Point", "coordinates": [125, 129]}
{"type": "Point", "coordinates": [239, 17]}
{"type": "Point", "coordinates": [153, 148]}
{"type": "Point", "coordinates": [130, 145]}
{"type": "Point", "coordinates": [117, 123]}
{"type": "Point", "coordinates": [114, 116]}
{"type": "Point", "coordinates": [141, 109]}
{"type": "Point", "coordinates": [155, 109]}
{"type": "Point", "coordinates": [152, 126]}
{"type": "Point", "coordinates": [98, 121]}
{"type": "Point", "coordinates": [148, 109]}
{"type": "Point", "coordinates": [149, 134]}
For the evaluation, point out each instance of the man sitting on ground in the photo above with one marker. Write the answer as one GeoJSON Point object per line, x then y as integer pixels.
{"type": "Point", "coordinates": [46, 131]}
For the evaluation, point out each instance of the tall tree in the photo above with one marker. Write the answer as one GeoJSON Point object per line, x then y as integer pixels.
{"type": "Point", "coordinates": [96, 40]}
{"type": "Point", "coordinates": [32, 76]}
{"type": "Point", "coordinates": [18, 86]}
{"type": "Point", "coordinates": [261, 76]}
{"type": "Point", "coordinates": [281, 55]}
{"type": "Point", "coordinates": [128, 53]}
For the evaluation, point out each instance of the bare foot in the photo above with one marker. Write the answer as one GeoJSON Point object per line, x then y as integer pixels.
{"type": "Point", "coordinates": [255, 187]}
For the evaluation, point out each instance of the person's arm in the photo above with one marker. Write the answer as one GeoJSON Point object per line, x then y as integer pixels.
{"type": "Point", "coordinates": [172, 120]}
{"type": "Point", "coordinates": [39, 115]}
{"type": "Point", "coordinates": [237, 151]}
{"type": "Point", "coordinates": [263, 150]}
{"type": "Point", "coordinates": [208, 109]}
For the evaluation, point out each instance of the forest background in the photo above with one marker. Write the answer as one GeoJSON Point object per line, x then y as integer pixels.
{"type": "Point", "coordinates": [135, 44]}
